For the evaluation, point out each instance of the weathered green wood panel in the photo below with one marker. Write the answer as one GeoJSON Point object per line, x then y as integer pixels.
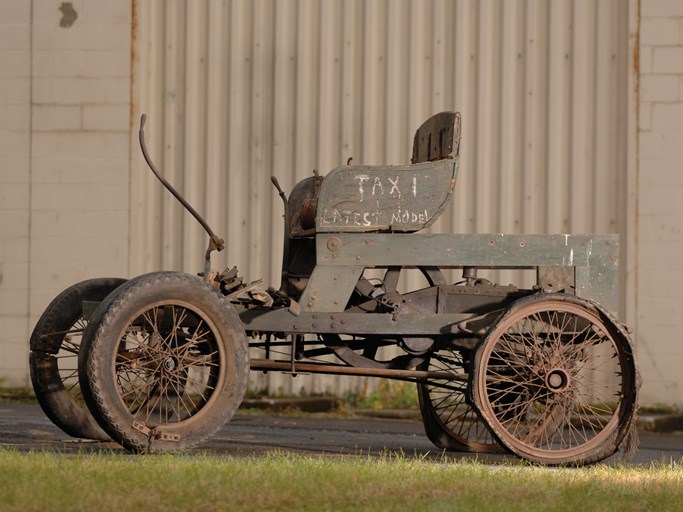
{"type": "Point", "coordinates": [599, 280]}
{"type": "Point", "coordinates": [594, 257]}
{"type": "Point", "coordinates": [480, 250]}
{"type": "Point", "coordinates": [385, 198]}
{"type": "Point", "coordinates": [329, 288]}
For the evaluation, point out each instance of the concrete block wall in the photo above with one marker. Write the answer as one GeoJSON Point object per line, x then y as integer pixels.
{"type": "Point", "coordinates": [15, 144]}
{"type": "Point", "coordinates": [65, 78]}
{"type": "Point", "coordinates": [659, 322]}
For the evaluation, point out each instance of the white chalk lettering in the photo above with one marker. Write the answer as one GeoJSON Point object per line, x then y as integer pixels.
{"type": "Point", "coordinates": [408, 217]}
{"type": "Point", "coordinates": [377, 185]}
{"type": "Point", "coordinates": [366, 220]}
{"type": "Point", "coordinates": [361, 179]}
{"type": "Point", "coordinates": [332, 216]}
{"type": "Point", "coordinates": [329, 216]}
{"type": "Point", "coordinates": [381, 184]}
{"type": "Point", "coordinates": [395, 191]}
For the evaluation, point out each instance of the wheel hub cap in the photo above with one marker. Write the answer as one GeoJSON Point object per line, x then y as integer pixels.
{"type": "Point", "coordinates": [169, 364]}
{"type": "Point", "coordinates": [557, 380]}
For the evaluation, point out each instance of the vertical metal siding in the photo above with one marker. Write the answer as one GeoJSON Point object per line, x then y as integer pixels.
{"type": "Point", "coordinates": [237, 91]}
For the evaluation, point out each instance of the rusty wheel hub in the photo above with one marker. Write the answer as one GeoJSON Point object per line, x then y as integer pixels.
{"type": "Point", "coordinates": [170, 364]}
{"type": "Point", "coordinates": [557, 380]}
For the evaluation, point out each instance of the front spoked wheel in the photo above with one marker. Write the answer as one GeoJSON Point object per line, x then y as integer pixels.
{"type": "Point", "coordinates": [555, 378]}
{"type": "Point", "coordinates": [165, 363]}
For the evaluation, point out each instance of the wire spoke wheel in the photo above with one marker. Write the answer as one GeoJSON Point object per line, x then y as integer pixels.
{"type": "Point", "coordinates": [451, 423]}
{"type": "Point", "coordinates": [555, 378]}
{"type": "Point", "coordinates": [53, 361]}
{"type": "Point", "coordinates": [165, 363]}
{"type": "Point", "coordinates": [449, 420]}
{"type": "Point", "coordinates": [167, 366]}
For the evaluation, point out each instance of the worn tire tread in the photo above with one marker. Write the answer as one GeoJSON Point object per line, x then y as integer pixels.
{"type": "Point", "coordinates": [96, 336]}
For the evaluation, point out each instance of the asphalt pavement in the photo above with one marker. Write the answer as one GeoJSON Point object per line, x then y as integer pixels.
{"type": "Point", "coordinates": [24, 427]}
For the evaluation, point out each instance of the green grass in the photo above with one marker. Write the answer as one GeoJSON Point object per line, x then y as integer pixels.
{"type": "Point", "coordinates": [658, 409]}
{"type": "Point", "coordinates": [16, 395]}
{"type": "Point", "coordinates": [389, 394]}
{"type": "Point", "coordinates": [48, 481]}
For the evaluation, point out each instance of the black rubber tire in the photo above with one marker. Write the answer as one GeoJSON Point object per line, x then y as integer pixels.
{"type": "Point", "coordinates": [170, 331]}
{"type": "Point", "coordinates": [546, 376]}
{"type": "Point", "coordinates": [449, 420]}
{"type": "Point", "coordinates": [49, 357]}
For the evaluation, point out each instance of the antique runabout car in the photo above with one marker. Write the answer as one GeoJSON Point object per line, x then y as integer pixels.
{"type": "Point", "coordinates": [546, 372]}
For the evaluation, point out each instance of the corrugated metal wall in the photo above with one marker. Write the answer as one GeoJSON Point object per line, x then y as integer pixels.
{"type": "Point", "coordinates": [237, 91]}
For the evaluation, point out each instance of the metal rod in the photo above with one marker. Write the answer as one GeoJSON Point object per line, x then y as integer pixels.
{"type": "Point", "coordinates": [333, 369]}
{"type": "Point", "coordinates": [293, 354]}
{"type": "Point", "coordinates": [286, 241]}
{"type": "Point", "coordinates": [216, 243]}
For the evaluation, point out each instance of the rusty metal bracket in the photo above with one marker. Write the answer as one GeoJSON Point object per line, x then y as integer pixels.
{"type": "Point", "coordinates": [295, 354]}
{"type": "Point", "coordinates": [255, 291]}
{"type": "Point", "coordinates": [141, 427]}
{"type": "Point", "coordinates": [153, 433]}
{"type": "Point", "coordinates": [165, 436]}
